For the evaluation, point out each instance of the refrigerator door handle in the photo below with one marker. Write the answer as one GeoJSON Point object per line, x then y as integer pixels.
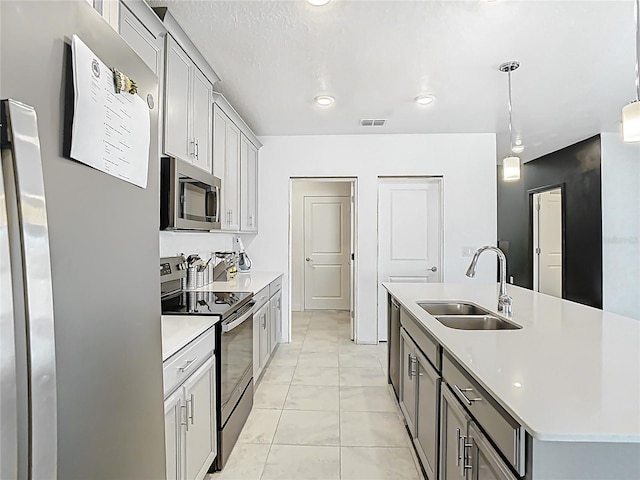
{"type": "Point", "coordinates": [22, 134]}
{"type": "Point", "coordinates": [8, 375]}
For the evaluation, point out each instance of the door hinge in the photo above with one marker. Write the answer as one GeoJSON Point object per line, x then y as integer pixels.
{"type": "Point", "coordinates": [538, 251]}
{"type": "Point", "coordinates": [353, 256]}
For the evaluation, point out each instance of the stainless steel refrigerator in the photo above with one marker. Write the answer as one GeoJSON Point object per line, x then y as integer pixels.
{"type": "Point", "coordinates": [80, 336]}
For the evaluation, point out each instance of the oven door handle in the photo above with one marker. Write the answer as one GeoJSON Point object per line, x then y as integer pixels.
{"type": "Point", "coordinates": [227, 327]}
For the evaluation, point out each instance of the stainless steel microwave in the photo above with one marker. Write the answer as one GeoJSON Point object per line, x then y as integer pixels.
{"type": "Point", "coordinates": [189, 197]}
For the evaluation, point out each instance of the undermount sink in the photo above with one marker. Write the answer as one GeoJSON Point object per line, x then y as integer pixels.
{"type": "Point", "coordinates": [453, 308]}
{"type": "Point", "coordinates": [466, 316]}
{"type": "Point", "coordinates": [476, 322]}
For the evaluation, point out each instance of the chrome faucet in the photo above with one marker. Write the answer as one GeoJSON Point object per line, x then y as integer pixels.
{"type": "Point", "coordinates": [505, 302]}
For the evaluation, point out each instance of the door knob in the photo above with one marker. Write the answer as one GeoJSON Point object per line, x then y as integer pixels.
{"type": "Point", "coordinates": [434, 269]}
{"type": "Point", "coordinates": [308, 259]}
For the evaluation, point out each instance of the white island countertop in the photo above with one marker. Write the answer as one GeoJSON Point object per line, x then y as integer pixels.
{"type": "Point", "coordinates": [572, 373]}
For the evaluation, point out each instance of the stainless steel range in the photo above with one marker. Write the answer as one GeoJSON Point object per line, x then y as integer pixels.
{"type": "Point", "coordinates": [234, 347]}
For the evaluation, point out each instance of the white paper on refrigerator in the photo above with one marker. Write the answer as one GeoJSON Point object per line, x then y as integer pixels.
{"type": "Point", "coordinates": [111, 131]}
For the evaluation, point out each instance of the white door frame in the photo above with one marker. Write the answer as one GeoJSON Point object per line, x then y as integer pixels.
{"type": "Point", "coordinates": [533, 194]}
{"type": "Point", "coordinates": [353, 181]}
{"type": "Point", "coordinates": [441, 229]}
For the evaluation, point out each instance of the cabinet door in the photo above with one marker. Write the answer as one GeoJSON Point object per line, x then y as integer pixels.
{"type": "Point", "coordinates": [453, 438]}
{"type": "Point", "coordinates": [142, 41]}
{"type": "Point", "coordinates": [256, 346]}
{"type": "Point", "coordinates": [263, 334]}
{"type": "Point", "coordinates": [485, 461]}
{"type": "Point", "coordinates": [202, 120]}
{"type": "Point", "coordinates": [200, 436]}
{"type": "Point", "coordinates": [408, 373]}
{"type": "Point", "coordinates": [174, 419]}
{"type": "Point", "coordinates": [276, 318]}
{"type": "Point", "coordinates": [177, 102]}
{"type": "Point", "coordinates": [219, 142]}
{"type": "Point", "coordinates": [248, 186]}
{"type": "Point", "coordinates": [231, 179]}
{"type": "Point", "coordinates": [426, 440]}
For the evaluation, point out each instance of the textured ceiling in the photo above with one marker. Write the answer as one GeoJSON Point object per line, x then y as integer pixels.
{"type": "Point", "coordinates": [577, 65]}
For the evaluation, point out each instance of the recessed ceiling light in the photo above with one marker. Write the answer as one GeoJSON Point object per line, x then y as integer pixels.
{"type": "Point", "coordinates": [425, 99]}
{"type": "Point", "coordinates": [318, 3]}
{"type": "Point", "coordinates": [324, 100]}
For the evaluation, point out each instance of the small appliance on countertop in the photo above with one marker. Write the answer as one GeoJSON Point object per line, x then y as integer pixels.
{"type": "Point", "coordinates": [233, 349]}
{"type": "Point", "coordinates": [244, 262]}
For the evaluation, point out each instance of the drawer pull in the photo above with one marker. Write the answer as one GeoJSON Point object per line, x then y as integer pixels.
{"type": "Point", "coordinates": [461, 392]}
{"type": "Point", "coordinates": [187, 365]}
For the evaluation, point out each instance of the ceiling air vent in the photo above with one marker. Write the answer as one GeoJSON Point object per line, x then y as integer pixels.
{"type": "Point", "coordinates": [370, 122]}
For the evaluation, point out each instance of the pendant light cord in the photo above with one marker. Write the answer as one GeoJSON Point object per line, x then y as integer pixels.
{"type": "Point", "coordinates": [637, 22]}
{"type": "Point", "coordinates": [510, 114]}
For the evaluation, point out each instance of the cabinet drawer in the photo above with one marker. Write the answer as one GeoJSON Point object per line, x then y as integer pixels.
{"type": "Point", "coordinates": [177, 368]}
{"type": "Point", "coordinates": [507, 434]}
{"type": "Point", "coordinates": [428, 345]}
{"type": "Point", "coordinates": [275, 286]}
{"type": "Point", "coordinates": [261, 298]}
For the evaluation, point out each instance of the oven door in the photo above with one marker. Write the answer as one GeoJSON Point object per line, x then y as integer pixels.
{"type": "Point", "coordinates": [236, 358]}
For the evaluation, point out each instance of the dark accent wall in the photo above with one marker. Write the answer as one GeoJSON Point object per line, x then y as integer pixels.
{"type": "Point", "coordinates": [577, 169]}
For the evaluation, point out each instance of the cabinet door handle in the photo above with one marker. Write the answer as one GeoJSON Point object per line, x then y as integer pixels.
{"type": "Point", "coordinates": [186, 415]}
{"type": "Point", "coordinates": [197, 149]}
{"type": "Point", "coordinates": [461, 392]}
{"type": "Point", "coordinates": [458, 437]}
{"type": "Point", "coordinates": [192, 407]}
{"type": "Point", "coordinates": [414, 365]}
{"type": "Point", "coordinates": [187, 365]}
{"type": "Point", "coordinates": [409, 370]}
{"type": "Point", "coordinates": [463, 464]}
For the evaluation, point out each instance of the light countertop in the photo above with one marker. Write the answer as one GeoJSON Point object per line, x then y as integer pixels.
{"type": "Point", "coordinates": [572, 373]}
{"type": "Point", "coordinates": [243, 282]}
{"type": "Point", "coordinates": [179, 330]}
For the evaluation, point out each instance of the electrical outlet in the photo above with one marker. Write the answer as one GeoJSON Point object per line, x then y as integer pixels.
{"type": "Point", "coordinates": [468, 251]}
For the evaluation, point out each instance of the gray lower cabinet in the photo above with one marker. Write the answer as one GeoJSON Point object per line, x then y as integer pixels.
{"type": "Point", "coordinates": [465, 452]}
{"type": "Point", "coordinates": [408, 381]}
{"type": "Point", "coordinates": [453, 431]}
{"type": "Point", "coordinates": [419, 401]}
{"type": "Point", "coordinates": [276, 319]}
{"type": "Point", "coordinates": [190, 425]}
{"type": "Point", "coordinates": [426, 438]}
{"type": "Point", "coordinates": [262, 318]}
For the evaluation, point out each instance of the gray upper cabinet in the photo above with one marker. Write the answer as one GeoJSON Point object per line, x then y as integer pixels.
{"type": "Point", "coordinates": [202, 121]}
{"type": "Point", "coordinates": [144, 35]}
{"type": "Point", "coordinates": [248, 186]}
{"type": "Point", "coordinates": [187, 113]}
{"type": "Point", "coordinates": [235, 161]}
{"type": "Point", "coordinates": [177, 99]}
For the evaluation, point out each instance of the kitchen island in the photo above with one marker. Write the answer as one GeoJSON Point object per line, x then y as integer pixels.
{"type": "Point", "coordinates": [570, 376]}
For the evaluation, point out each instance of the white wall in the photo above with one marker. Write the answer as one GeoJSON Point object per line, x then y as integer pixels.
{"type": "Point", "coordinates": [203, 243]}
{"type": "Point", "coordinates": [299, 190]}
{"type": "Point", "coordinates": [620, 226]}
{"type": "Point", "coordinates": [466, 161]}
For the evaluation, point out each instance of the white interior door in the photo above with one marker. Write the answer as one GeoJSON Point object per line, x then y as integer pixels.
{"type": "Point", "coordinates": [547, 242]}
{"type": "Point", "coordinates": [327, 253]}
{"type": "Point", "coordinates": [409, 235]}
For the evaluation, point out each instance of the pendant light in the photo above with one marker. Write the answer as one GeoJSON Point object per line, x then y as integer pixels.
{"type": "Point", "coordinates": [510, 164]}
{"type": "Point", "coordinates": [631, 112]}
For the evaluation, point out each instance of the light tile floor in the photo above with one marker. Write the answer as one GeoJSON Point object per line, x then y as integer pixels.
{"type": "Point", "coordinates": [323, 411]}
